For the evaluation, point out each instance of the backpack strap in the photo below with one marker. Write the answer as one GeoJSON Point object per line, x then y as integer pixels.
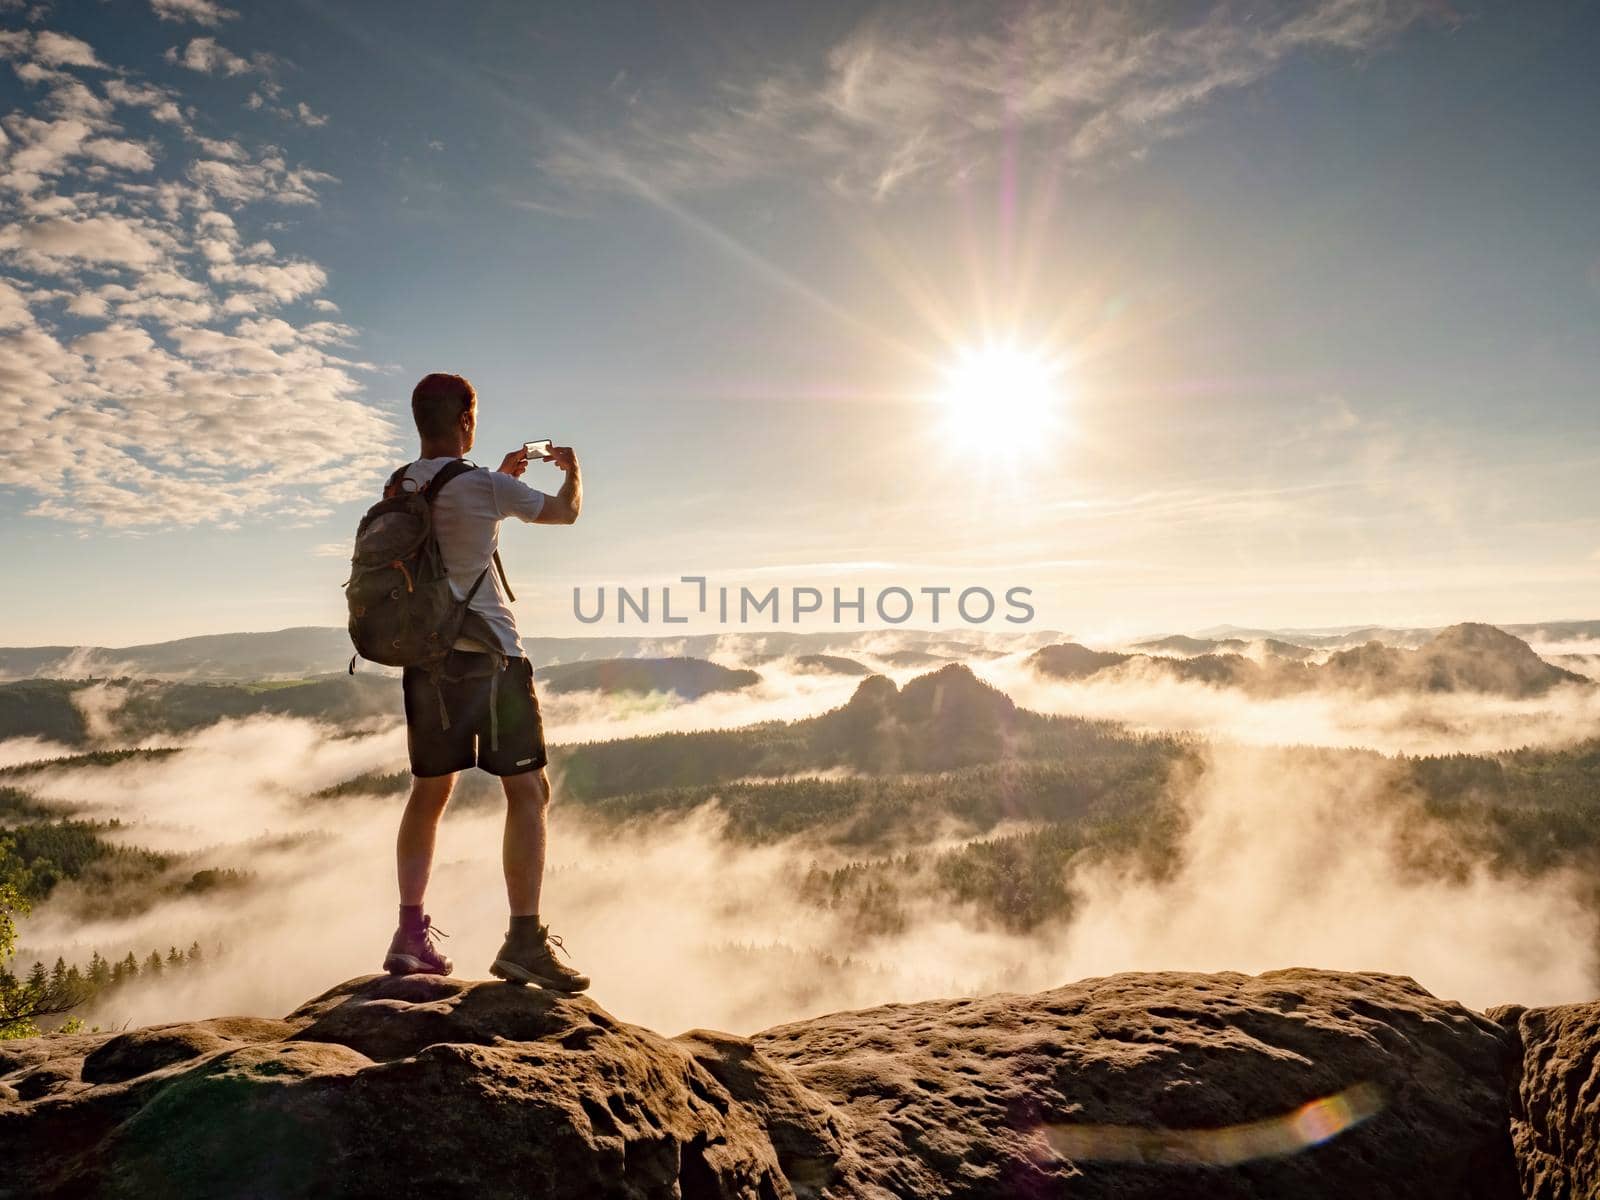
{"type": "Point", "coordinates": [444, 475]}
{"type": "Point", "coordinates": [504, 582]}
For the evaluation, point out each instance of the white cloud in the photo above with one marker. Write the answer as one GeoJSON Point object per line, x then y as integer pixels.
{"type": "Point", "coordinates": [205, 55]}
{"type": "Point", "coordinates": [171, 283]}
{"type": "Point", "coordinates": [150, 374]}
{"type": "Point", "coordinates": [143, 95]}
{"type": "Point", "coordinates": [167, 310]}
{"type": "Point", "coordinates": [300, 113]}
{"type": "Point", "coordinates": [94, 239]}
{"type": "Point", "coordinates": [42, 148]}
{"type": "Point", "coordinates": [929, 96]}
{"type": "Point", "coordinates": [62, 50]}
{"type": "Point", "coordinates": [282, 281]}
{"type": "Point", "coordinates": [14, 311]}
{"type": "Point", "coordinates": [268, 178]}
{"type": "Point", "coordinates": [162, 102]}
{"type": "Point", "coordinates": [86, 304]}
{"type": "Point", "coordinates": [201, 12]}
{"type": "Point", "coordinates": [133, 156]}
{"type": "Point", "coordinates": [114, 341]}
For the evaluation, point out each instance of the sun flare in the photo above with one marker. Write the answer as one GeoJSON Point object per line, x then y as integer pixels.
{"type": "Point", "coordinates": [1002, 400]}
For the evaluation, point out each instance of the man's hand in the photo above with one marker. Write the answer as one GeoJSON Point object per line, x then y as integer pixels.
{"type": "Point", "coordinates": [515, 463]}
{"type": "Point", "coordinates": [563, 507]}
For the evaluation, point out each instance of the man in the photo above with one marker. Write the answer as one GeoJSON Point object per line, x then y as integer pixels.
{"type": "Point", "coordinates": [486, 693]}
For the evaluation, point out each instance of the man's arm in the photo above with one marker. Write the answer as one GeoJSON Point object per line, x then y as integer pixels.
{"type": "Point", "coordinates": [541, 508]}
{"type": "Point", "coordinates": [563, 507]}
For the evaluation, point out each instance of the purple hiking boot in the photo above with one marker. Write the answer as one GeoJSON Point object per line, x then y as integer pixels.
{"type": "Point", "coordinates": [413, 953]}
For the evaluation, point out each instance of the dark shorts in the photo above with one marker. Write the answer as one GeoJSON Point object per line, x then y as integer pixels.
{"type": "Point", "coordinates": [506, 739]}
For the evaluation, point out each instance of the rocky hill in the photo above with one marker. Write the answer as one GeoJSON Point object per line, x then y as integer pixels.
{"type": "Point", "coordinates": [945, 719]}
{"type": "Point", "coordinates": [1470, 657]}
{"type": "Point", "coordinates": [830, 664]}
{"type": "Point", "coordinates": [1293, 1083]}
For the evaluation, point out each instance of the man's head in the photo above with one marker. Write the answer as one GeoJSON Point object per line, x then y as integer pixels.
{"type": "Point", "coordinates": [445, 409]}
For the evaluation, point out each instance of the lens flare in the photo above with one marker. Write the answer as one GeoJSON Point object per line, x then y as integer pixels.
{"type": "Point", "coordinates": [1309, 1125]}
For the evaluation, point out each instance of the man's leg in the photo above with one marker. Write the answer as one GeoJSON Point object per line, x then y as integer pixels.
{"type": "Point", "coordinates": [419, 826]}
{"type": "Point", "coordinates": [412, 952]}
{"type": "Point", "coordinates": [528, 953]}
{"type": "Point", "coordinates": [527, 809]}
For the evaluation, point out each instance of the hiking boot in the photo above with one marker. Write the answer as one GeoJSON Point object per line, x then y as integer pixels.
{"type": "Point", "coordinates": [529, 959]}
{"type": "Point", "coordinates": [413, 953]}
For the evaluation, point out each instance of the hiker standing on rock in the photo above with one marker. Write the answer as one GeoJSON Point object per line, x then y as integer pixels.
{"type": "Point", "coordinates": [473, 704]}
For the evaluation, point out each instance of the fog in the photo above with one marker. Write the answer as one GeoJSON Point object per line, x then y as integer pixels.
{"type": "Point", "coordinates": [1286, 860]}
{"type": "Point", "coordinates": [672, 900]}
{"type": "Point", "coordinates": [1413, 723]}
{"type": "Point", "coordinates": [16, 751]}
{"type": "Point", "coordinates": [783, 694]}
{"type": "Point", "coordinates": [1289, 861]}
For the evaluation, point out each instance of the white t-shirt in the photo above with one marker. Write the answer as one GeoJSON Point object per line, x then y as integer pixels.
{"type": "Point", "coordinates": [466, 520]}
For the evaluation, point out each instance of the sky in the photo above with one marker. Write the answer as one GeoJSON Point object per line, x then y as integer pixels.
{"type": "Point", "coordinates": [1301, 301]}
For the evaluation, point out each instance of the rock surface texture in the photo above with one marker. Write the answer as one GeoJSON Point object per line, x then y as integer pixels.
{"type": "Point", "coordinates": [444, 1087]}
{"type": "Point", "coordinates": [1555, 1101]}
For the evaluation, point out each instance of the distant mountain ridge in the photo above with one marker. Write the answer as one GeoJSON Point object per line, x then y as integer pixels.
{"type": "Point", "coordinates": [312, 650]}
{"type": "Point", "coordinates": [1469, 657]}
{"type": "Point", "coordinates": [1337, 637]}
{"type": "Point", "coordinates": [1182, 644]}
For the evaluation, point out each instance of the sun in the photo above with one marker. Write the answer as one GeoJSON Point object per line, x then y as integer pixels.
{"type": "Point", "coordinates": [1002, 400]}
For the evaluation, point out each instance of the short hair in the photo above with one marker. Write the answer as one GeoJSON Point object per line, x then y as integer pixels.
{"type": "Point", "coordinates": [437, 403]}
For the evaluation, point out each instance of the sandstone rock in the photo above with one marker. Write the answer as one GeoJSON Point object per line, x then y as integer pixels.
{"type": "Point", "coordinates": [1555, 1100]}
{"type": "Point", "coordinates": [443, 1087]}
{"type": "Point", "coordinates": [946, 1098]}
{"type": "Point", "coordinates": [391, 1087]}
{"type": "Point", "coordinates": [803, 1128]}
{"type": "Point", "coordinates": [141, 1051]}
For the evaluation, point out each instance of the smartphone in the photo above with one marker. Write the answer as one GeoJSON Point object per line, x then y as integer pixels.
{"type": "Point", "coordinates": [538, 450]}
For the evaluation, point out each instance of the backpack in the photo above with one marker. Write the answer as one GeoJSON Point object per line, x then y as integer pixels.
{"type": "Point", "coordinates": [402, 612]}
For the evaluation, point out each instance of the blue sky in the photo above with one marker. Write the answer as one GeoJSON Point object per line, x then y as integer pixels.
{"type": "Point", "coordinates": [1320, 283]}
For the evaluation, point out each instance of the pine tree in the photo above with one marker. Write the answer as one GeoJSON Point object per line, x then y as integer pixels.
{"type": "Point", "coordinates": [58, 981]}
{"type": "Point", "coordinates": [152, 965]}
{"type": "Point", "coordinates": [174, 957]}
{"type": "Point", "coordinates": [99, 971]}
{"type": "Point", "coordinates": [195, 954]}
{"type": "Point", "coordinates": [130, 966]}
{"type": "Point", "coordinates": [38, 980]}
